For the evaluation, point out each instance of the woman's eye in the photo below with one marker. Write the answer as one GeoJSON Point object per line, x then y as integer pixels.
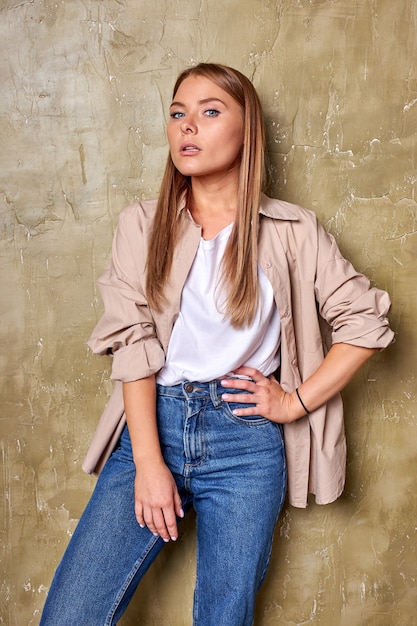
{"type": "Point", "coordinates": [212, 112]}
{"type": "Point", "coordinates": [176, 115]}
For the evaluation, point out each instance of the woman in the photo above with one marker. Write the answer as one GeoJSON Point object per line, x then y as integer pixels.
{"type": "Point", "coordinates": [216, 301]}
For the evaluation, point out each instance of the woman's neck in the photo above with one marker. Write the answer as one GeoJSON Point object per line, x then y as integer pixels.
{"type": "Point", "coordinates": [213, 206]}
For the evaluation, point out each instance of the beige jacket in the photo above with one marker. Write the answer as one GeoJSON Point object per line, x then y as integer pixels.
{"type": "Point", "coordinates": [321, 300]}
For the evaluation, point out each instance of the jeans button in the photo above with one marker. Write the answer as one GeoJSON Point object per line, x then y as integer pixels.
{"type": "Point", "coordinates": [189, 387]}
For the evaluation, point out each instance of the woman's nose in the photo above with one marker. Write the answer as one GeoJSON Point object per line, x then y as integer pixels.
{"type": "Point", "coordinates": [188, 126]}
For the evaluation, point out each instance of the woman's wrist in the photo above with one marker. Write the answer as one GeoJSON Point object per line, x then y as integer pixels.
{"type": "Point", "coordinates": [148, 455]}
{"type": "Point", "coordinates": [307, 412]}
{"type": "Point", "coordinates": [297, 407]}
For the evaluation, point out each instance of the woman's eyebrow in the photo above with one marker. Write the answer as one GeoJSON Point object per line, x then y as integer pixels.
{"type": "Point", "coordinates": [176, 103]}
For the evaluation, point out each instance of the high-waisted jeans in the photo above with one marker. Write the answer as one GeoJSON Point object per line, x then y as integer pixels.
{"type": "Point", "coordinates": [230, 469]}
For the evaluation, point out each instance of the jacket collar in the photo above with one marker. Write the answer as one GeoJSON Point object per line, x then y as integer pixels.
{"type": "Point", "coordinates": [277, 209]}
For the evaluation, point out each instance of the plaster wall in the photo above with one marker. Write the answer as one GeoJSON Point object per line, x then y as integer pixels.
{"type": "Point", "coordinates": [85, 86]}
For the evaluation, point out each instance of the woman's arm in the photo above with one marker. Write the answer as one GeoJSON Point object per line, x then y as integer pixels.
{"type": "Point", "coordinates": [271, 401]}
{"type": "Point", "coordinates": [338, 368]}
{"type": "Point", "coordinates": [157, 502]}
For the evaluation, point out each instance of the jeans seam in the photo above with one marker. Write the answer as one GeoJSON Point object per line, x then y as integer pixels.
{"type": "Point", "coordinates": [281, 504]}
{"type": "Point", "coordinates": [128, 580]}
{"type": "Point", "coordinates": [195, 602]}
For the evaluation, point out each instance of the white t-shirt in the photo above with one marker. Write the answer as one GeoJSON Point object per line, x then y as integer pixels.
{"type": "Point", "coordinates": [204, 345]}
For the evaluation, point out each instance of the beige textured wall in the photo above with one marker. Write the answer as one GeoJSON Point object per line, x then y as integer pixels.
{"type": "Point", "coordinates": [84, 88]}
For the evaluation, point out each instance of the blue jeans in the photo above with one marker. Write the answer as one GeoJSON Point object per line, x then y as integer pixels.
{"type": "Point", "coordinates": [230, 469]}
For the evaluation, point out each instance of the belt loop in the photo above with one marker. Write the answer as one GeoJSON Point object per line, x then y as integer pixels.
{"type": "Point", "coordinates": [214, 396]}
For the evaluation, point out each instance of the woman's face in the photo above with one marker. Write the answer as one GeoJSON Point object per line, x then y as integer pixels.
{"type": "Point", "coordinates": [205, 130]}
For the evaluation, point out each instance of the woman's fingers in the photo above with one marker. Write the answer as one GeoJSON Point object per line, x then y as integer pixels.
{"type": "Point", "coordinates": [139, 514]}
{"type": "Point", "coordinates": [157, 501]}
{"type": "Point", "coordinates": [257, 387]}
{"type": "Point", "coordinates": [162, 523]}
{"type": "Point", "coordinates": [264, 394]}
{"type": "Point", "coordinates": [253, 373]}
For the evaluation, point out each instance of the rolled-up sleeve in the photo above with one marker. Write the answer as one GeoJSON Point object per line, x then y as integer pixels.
{"type": "Point", "coordinates": [127, 330]}
{"type": "Point", "coordinates": [356, 312]}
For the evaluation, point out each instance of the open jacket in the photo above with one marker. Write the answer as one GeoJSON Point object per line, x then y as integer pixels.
{"type": "Point", "coordinates": [321, 300]}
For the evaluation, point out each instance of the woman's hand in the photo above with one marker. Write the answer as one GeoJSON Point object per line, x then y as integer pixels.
{"type": "Point", "coordinates": [157, 501]}
{"type": "Point", "coordinates": [271, 401]}
{"type": "Point", "coordinates": [269, 398]}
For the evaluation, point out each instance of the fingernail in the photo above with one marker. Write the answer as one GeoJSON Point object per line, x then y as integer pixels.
{"type": "Point", "coordinates": [225, 396]}
{"type": "Point", "coordinates": [174, 538]}
{"type": "Point", "coordinates": [181, 513]}
{"type": "Point", "coordinates": [165, 539]}
{"type": "Point", "coordinates": [141, 525]}
{"type": "Point", "coordinates": [155, 534]}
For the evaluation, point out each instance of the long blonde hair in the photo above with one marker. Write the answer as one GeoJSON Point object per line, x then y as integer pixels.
{"type": "Point", "coordinates": [239, 265]}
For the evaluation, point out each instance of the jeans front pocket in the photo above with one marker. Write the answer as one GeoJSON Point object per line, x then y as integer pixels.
{"type": "Point", "coordinates": [245, 420]}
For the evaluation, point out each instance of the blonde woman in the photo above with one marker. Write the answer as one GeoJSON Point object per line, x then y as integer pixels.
{"type": "Point", "coordinates": [217, 299]}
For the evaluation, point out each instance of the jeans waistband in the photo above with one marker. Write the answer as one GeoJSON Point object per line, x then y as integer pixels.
{"type": "Point", "coordinates": [193, 389]}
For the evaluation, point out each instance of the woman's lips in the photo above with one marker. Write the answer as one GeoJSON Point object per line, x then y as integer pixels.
{"type": "Point", "coordinates": [189, 149]}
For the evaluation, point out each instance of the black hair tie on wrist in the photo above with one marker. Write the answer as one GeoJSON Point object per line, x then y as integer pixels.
{"type": "Point", "coordinates": [302, 403]}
